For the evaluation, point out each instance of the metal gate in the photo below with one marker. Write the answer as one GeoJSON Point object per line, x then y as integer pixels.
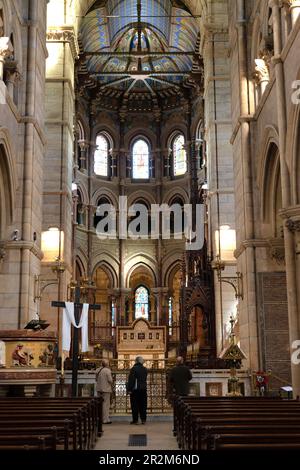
{"type": "Point", "coordinates": [156, 391]}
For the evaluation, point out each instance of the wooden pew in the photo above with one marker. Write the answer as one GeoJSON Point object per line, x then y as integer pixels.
{"type": "Point", "coordinates": [201, 423]}
{"type": "Point", "coordinates": [79, 419]}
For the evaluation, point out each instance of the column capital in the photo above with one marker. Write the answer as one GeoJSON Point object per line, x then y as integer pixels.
{"type": "Point", "coordinates": [293, 225]}
{"type": "Point", "coordinates": [261, 71]}
{"type": "Point", "coordinates": [64, 33]}
{"type": "Point", "coordinates": [83, 144]}
{"type": "Point", "coordinates": [6, 48]}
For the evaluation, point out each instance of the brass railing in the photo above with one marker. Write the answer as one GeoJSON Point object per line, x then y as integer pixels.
{"type": "Point", "coordinates": [156, 392]}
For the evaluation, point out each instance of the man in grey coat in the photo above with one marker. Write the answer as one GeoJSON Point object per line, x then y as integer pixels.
{"type": "Point", "coordinates": [104, 383]}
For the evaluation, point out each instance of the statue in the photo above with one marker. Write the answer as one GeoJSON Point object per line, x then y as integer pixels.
{"type": "Point", "coordinates": [21, 356]}
{"type": "Point", "coordinates": [47, 358]}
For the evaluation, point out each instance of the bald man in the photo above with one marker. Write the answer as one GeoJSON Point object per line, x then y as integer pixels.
{"type": "Point", "coordinates": [180, 377]}
{"type": "Point", "coordinates": [104, 383]}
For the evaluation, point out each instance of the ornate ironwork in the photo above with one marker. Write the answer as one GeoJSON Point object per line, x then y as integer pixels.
{"type": "Point", "coordinates": [157, 392]}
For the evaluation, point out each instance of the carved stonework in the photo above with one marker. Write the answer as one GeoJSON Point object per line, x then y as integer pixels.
{"type": "Point", "coordinates": [293, 225]}
{"type": "Point", "coordinates": [261, 71]}
{"type": "Point", "coordinates": [277, 254]}
{"type": "Point", "coordinates": [276, 250]}
{"type": "Point", "coordinates": [6, 48]}
{"type": "Point", "coordinates": [65, 35]}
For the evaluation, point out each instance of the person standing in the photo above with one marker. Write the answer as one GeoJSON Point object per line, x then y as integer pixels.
{"type": "Point", "coordinates": [180, 376]}
{"type": "Point", "coordinates": [104, 383]}
{"type": "Point", "coordinates": [137, 388]}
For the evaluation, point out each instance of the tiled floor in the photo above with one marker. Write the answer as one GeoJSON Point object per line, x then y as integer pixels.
{"type": "Point", "coordinates": [159, 436]}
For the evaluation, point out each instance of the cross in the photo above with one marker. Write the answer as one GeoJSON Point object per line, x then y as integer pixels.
{"type": "Point", "coordinates": [77, 311]}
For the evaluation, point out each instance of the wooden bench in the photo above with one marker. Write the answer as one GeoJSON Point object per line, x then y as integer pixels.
{"type": "Point", "coordinates": [227, 422]}
{"type": "Point", "coordinates": [77, 421]}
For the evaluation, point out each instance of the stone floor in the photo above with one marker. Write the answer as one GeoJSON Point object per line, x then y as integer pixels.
{"type": "Point", "coordinates": [159, 435]}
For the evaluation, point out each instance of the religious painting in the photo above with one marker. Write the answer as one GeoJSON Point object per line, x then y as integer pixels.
{"type": "Point", "coordinates": [141, 335]}
{"type": "Point", "coordinates": [131, 335]}
{"type": "Point", "coordinates": [124, 335]}
{"type": "Point", "coordinates": [157, 335]}
{"type": "Point", "coordinates": [179, 156]}
{"type": "Point", "coordinates": [213, 389]}
{"type": "Point", "coordinates": [141, 303]}
{"type": "Point", "coordinates": [140, 160]}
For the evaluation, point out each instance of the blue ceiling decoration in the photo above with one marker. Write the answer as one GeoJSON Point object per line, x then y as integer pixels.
{"type": "Point", "coordinates": [115, 32]}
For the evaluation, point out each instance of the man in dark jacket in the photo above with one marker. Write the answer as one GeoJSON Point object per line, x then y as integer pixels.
{"type": "Point", "coordinates": [180, 377]}
{"type": "Point", "coordinates": [137, 388]}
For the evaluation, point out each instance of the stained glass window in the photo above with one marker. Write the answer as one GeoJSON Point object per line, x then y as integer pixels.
{"type": "Point", "coordinates": [170, 315]}
{"type": "Point", "coordinates": [179, 156]}
{"type": "Point", "coordinates": [101, 156]}
{"type": "Point", "coordinates": [141, 303]}
{"type": "Point", "coordinates": [140, 160]}
{"type": "Point", "coordinates": [113, 317]}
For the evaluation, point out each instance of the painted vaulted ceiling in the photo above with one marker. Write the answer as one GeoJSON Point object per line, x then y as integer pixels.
{"type": "Point", "coordinates": [139, 46]}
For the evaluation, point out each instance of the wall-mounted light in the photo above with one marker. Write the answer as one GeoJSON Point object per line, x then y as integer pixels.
{"type": "Point", "coordinates": [52, 245]}
{"type": "Point", "coordinates": [225, 239]}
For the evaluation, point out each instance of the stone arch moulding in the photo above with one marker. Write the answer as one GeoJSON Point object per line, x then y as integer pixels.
{"type": "Point", "coordinates": [270, 138]}
{"type": "Point", "coordinates": [106, 264]}
{"type": "Point", "coordinates": [171, 132]}
{"type": "Point", "coordinates": [104, 192]}
{"type": "Point", "coordinates": [170, 272]}
{"type": "Point", "coordinates": [81, 261]}
{"type": "Point", "coordinates": [176, 192]}
{"type": "Point", "coordinates": [256, 39]}
{"type": "Point", "coordinates": [18, 46]}
{"type": "Point", "coordinates": [141, 195]}
{"type": "Point", "coordinates": [81, 129]}
{"type": "Point", "coordinates": [140, 133]}
{"type": "Point", "coordinates": [140, 260]}
{"type": "Point", "coordinates": [8, 169]}
{"type": "Point", "coordinates": [293, 151]}
{"type": "Point", "coordinates": [83, 192]}
{"type": "Point", "coordinates": [107, 132]}
{"type": "Point", "coordinates": [169, 262]}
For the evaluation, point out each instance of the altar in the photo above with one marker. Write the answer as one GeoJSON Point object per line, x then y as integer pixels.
{"type": "Point", "coordinates": [141, 339]}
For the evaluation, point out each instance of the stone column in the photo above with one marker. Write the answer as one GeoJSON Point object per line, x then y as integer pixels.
{"type": "Point", "coordinates": [245, 252]}
{"type": "Point", "coordinates": [289, 241]}
{"type": "Point", "coordinates": [63, 50]}
{"type": "Point", "coordinates": [218, 128]}
{"type": "Point", "coordinates": [262, 74]}
{"type": "Point", "coordinates": [84, 152]}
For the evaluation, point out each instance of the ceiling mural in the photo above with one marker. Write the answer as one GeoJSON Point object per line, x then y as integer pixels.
{"type": "Point", "coordinates": [142, 47]}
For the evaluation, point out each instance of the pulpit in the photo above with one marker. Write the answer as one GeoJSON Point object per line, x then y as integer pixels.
{"type": "Point", "coordinates": [27, 362]}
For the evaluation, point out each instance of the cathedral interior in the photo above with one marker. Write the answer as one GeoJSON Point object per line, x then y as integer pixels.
{"type": "Point", "coordinates": [154, 104]}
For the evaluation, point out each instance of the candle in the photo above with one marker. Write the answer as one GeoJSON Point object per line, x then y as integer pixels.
{"type": "Point", "coordinates": [62, 363]}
